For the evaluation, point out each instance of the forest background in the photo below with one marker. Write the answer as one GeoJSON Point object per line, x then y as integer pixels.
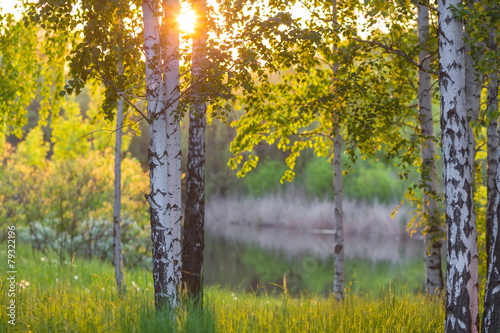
{"type": "Point", "coordinates": [56, 172]}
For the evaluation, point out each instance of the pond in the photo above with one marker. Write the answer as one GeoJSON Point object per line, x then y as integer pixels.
{"type": "Point", "coordinates": [260, 259]}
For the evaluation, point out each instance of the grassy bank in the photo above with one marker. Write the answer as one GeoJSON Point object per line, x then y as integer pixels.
{"type": "Point", "coordinates": [79, 296]}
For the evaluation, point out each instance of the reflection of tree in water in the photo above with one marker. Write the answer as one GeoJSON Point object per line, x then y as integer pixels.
{"type": "Point", "coordinates": [247, 266]}
{"type": "Point", "coordinates": [255, 242]}
{"type": "Point", "coordinates": [293, 243]}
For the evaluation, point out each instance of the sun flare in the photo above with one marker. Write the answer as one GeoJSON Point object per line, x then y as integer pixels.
{"type": "Point", "coordinates": [186, 19]}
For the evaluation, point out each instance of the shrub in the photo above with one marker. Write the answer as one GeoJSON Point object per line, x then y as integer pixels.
{"type": "Point", "coordinates": [65, 201]}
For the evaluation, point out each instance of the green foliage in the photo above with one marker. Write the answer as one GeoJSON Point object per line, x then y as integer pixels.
{"type": "Point", "coordinates": [373, 180]}
{"type": "Point", "coordinates": [266, 178]}
{"type": "Point", "coordinates": [318, 177]}
{"type": "Point", "coordinates": [482, 21]}
{"type": "Point", "coordinates": [80, 295]}
{"type": "Point", "coordinates": [369, 180]}
{"type": "Point", "coordinates": [31, 65]}
{"type": "Point", "coordinates": [59, 193]}
{"type": "Point", "coordinates": [99, 39]}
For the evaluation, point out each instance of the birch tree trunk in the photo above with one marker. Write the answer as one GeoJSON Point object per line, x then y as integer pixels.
{"type": "Point", "coordinates": [491, 313]}
{"type": "Point", "coordinates": [117, 248]}
{"type": "Point", "coordinates": [493, 154]}
{"type": "Point", "coordinates": [462, 312]}
{"type": "Point", "coordinates": [170, 55]}
{"type": "Point", "coordinates": [338, 286]}
{"type": "Point", "coordinates": [194, 222]}
{"type": "Point", "coordinates": [338, 283]}
{"type": "Point", "coordinates": [433, 273]}
{"type": "Point", "coordinates": [473, 81]}
{"type": "Point", "coordinates": [158, 198]}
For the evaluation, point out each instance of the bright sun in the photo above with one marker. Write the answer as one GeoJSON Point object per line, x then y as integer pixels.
{"type": "Point", "coordinates": [186, 19]}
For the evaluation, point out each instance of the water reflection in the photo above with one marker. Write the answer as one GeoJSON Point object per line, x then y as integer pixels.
{"type": "Point", "coordinates": [254, 242]}
{"type": "Point", "coordinates": [258, 259]}
{"type": "Point", "coordinates": [320, 243]}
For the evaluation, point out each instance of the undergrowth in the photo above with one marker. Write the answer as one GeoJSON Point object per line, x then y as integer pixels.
{"type": "Point", "coordinates": [80, 296]}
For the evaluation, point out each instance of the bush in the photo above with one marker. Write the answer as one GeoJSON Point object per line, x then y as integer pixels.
{"type": "Point", "coordinates": [65, 202]}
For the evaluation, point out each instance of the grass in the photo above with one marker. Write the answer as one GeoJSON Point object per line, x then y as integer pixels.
{"type": "Point", "coordinates": [80, 296]}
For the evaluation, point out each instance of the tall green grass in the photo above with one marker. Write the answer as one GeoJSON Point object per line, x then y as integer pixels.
{"type": "Point", "coordinates": [80, 296]}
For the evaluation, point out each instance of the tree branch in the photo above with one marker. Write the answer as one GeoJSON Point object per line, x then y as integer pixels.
{"type": "Point", "coordinates": [120, 93]}
{"type": "Point", "coordinates": [396, 52]}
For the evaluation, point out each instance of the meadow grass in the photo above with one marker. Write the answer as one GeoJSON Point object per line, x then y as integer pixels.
{"type": "Point", "coordinates": [80, 296]}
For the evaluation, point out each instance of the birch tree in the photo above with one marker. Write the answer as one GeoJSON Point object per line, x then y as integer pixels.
{"type": "Point", "coordinates": [194, 221]}
{"type": "Point", "coordinates": [117, 249]}
{"type": "Point", "coordinates": [157, 154]}
{"type": "Point", "coordinates": [171, 75]}
{"type": "Point", "coordinates": [462, 311]}
{"type": "Point", "coordinates": [491, 314]}
{"type": "Point", "coordinates": [161, 45]}
{"type": "Point", "coordinates": [338, 281]}
{"type": "Point", "coordinates": [433, 274]}
{"type": "Point", "coordinates": [474, 81]}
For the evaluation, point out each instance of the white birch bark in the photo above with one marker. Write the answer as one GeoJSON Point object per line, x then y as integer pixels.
{"type": "Point", "coordinates": [194, 222]}
{"type": "Point", "coordinates": [491, 313]}
{"type": "Point", "coordinates": [462, 311]}
{"type": "Point", "coordinates": [170, 56]}
{"type": "Point", "coordinates": [117, 248]}
{"type": "Point", "coordinates": [338, 283]}
{"type": "Point", "coordinates": [433, 273]}
{"type": "Point", "coordinates": [157, 154]}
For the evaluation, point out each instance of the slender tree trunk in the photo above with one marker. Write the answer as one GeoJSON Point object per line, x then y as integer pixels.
{"type": "Point", "coordinates": [117, 247]}
{"type": "Point", "coordinates": [338, 283]}
{"type": "Point", "coordinates": [194, 222]}
{"type": "Point", "coordinates": [473, 81]}
{"type": "Point", "coordinates": [462, 311]}
{"type": "Point", "coordinates": [158, 198]}
{"type": "Point", "coordinates": [338, 286]}
{"type": "Point", "coordinates": [491, 174]}
{"type": "Point", "coordinates": [491, 314]}
{"type": "Point", "coordinates": [433, 273]}
{"type": "Point", "coordinates": [170, 28]}
{"type": "Point", "coordinates": [493, 153]}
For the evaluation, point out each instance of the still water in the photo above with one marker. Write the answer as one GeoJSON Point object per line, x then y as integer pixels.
{"type": "Point", "coordinates": [260, 259]}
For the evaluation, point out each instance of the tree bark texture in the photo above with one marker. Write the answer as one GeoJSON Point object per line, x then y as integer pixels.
{"type": "Point", "coordinates": [194, 221]}
{"type": "Point", "coordinates": [338, 286]}
{"type": "Point", "coordinates": [462, 312]}
{"type": "Point", "coordinates": [473, 81]}
{"type": "Point", "coordinates": [165, 291]}
{"type": "Point", "coordinates": [338, 283]}
{"type": "Point", "coordinates": [491, 313]}
{"type": "Point", "coordinates": [432, 241]}
{"type": "Point", "coordinates": [170, 57]}
{"type": "Point", "coordinates": [117, 248]}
